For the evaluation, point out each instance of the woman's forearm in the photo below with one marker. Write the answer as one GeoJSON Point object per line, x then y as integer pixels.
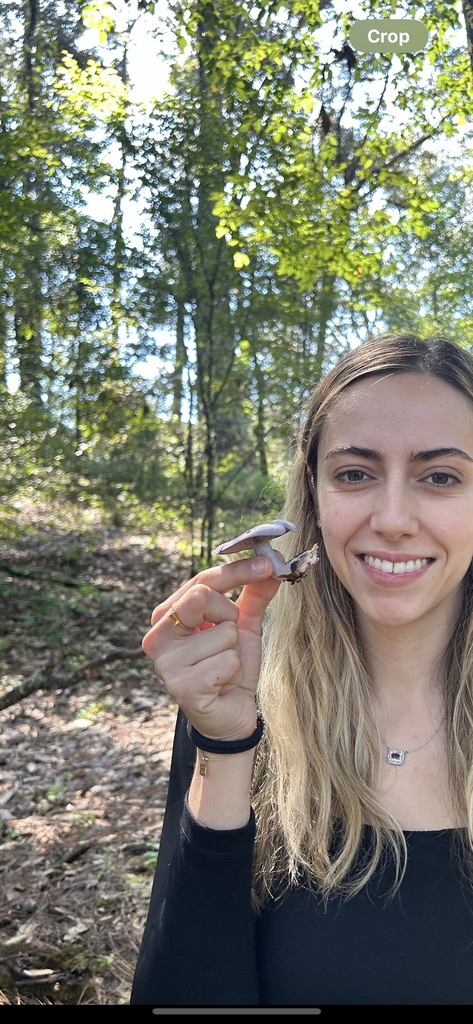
{"type": "Point", "coordinates": [220, 798]}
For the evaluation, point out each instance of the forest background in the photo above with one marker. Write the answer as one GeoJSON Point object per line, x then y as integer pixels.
{"type": "Point", "coordinates": [178, 265]}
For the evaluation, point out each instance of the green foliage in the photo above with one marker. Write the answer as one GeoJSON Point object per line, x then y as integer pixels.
{"type": "Point", "coordinates": [429, 287]}
{"type": "Point", "coordinates": [56, 793]}
{"type": "Point", "coordinates": [307, 191]}
{"type": "Point", "coordinates": [31, 445]}
{"type": "Point", "coordinates": [287, 201]}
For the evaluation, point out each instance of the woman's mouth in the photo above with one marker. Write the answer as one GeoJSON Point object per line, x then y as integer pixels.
{"type": "Point", "coordinates": [397, 568]}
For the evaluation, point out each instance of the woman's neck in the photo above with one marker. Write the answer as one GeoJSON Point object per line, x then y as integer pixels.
{"type": "Point", "coordinates": [404, 662]}
{"type": "Point", "coordinates": [408, 722]}
{"type": "Point", "coordinates": [404, 665]}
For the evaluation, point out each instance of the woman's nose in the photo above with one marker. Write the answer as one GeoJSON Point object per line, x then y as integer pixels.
{"type": "Point", "coordinates": [394, 513]}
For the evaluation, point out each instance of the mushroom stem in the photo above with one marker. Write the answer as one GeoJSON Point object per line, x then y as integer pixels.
{"type": "Point", "coordinates": [264, 548]}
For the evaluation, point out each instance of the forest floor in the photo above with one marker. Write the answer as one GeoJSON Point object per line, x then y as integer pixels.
{"type": "Point", "coordinates": [84, 768]}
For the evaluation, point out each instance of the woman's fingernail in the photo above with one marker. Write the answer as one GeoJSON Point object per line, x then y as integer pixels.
{"type": "Point", "coordinates": [260, 564]}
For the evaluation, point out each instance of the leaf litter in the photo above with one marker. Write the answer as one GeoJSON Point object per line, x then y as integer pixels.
{"type": "Point", "coordinates": [83, 770]}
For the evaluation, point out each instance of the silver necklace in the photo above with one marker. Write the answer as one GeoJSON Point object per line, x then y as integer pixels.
{"type": "Point", "coordinates": [395, 755]}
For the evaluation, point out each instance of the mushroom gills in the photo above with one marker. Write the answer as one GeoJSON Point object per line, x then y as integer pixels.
{"type": "Point", "coordinates": [300, 565]}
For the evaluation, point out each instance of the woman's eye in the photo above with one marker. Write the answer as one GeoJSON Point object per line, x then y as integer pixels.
{"type": "Point", "coordinates": [442, 479]}
{"type": "Point", "coordinates": [352, 476]}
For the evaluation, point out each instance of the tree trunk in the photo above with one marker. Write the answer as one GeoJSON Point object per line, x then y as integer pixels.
{"type": "Point", "coordinates": [119, 255]}
{"type": "Point", "coordinates": [467, 6]}
{"type": "Point", "coordinates": [180, 361]}
{"type": "Point", "coordinates": [3, 338]}
{"type": "Point", "coordinates": [326, 307]}
{"type": "Point", "coordinates": [27, 290]}
{"type": "Point", "coordinates": [210, 497]}
{"type": "Point", "coordinates": [28, 336]}
{"type": "Point", "coordinates": [259, 431]}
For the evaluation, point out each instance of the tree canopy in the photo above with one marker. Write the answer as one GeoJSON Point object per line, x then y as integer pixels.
{"type": "Point", "coordinates": [176, 272]}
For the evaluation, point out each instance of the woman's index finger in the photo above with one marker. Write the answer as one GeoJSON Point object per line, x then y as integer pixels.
{"type": "Point", "coordinates": [222, 578]}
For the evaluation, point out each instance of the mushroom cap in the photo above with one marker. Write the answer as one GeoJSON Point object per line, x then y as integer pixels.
{"type": "Point", "coordinates": [257, 535]}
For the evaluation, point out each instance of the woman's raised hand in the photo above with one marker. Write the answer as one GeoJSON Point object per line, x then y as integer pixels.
{"type": "Point", "coordinates": [206, 647]}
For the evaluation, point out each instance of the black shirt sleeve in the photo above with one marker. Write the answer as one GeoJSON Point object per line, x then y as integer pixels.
{"type": "Point", "coordinates": [198, 946]}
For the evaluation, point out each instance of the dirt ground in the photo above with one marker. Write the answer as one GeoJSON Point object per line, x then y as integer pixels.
{"type": "Point", "coordinates": [83, 769]}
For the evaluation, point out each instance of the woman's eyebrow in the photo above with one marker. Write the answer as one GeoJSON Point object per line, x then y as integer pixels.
{"type": "Point", "coordinates": [437, 453]}
{"type": "Point", "coordinates": [353, 449]}
{"type": "Point", "coordinates": [375, 456]}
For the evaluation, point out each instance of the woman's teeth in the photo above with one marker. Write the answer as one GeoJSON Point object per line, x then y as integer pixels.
{"type": "Point", "coordinates": [397, 567]}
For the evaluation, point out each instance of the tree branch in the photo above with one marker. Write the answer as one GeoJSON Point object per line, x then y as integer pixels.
{"type": "Point", "coordinates": [60, 677]}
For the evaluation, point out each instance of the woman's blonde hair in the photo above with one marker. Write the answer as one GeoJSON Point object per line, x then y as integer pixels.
{"type": "Point", "coordinates": [314, 791]}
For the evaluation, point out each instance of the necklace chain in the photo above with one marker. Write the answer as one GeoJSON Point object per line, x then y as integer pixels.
{"type": "Point", "coordinates": [396, 755]}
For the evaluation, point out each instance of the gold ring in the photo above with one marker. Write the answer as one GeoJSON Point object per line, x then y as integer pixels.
{"type": "Point", "coordinates": [175, 621]}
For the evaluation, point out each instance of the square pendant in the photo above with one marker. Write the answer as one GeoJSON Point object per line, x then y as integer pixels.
{"type": "Point", "coordinates": [396, 756]}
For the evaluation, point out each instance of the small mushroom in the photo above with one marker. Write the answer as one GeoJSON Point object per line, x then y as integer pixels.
{"type": "Point", "coordinates": [301, 563]}
{"type": "Point", "coordinates": [259, 538]}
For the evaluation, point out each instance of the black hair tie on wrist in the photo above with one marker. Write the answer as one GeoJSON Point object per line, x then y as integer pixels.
{"type": "Point", "coordinates": [226, 746]}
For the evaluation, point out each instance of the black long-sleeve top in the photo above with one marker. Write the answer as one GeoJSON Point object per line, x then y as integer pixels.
{"type": "Point", "coordinates": [203, 944]}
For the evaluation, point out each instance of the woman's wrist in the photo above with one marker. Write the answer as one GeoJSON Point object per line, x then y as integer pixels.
{"type": "Point", "coordinates": [219, 794]}
{"type": "Point", "coordinates": [226, 747]}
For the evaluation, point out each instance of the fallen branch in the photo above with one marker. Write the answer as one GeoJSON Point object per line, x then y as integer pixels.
{"type": "Point", "coordinates": [60, 678]}
{"type": "Point", "coordinates": [33, 573]}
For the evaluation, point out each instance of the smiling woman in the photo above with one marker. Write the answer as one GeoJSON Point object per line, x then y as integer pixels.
{"type": "Point", "coordinates": [328, 858]}
{"type": "Point", "coordinates": [397, 518]}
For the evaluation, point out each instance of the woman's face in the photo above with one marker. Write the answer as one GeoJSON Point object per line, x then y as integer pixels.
{"type": "Point", "coordinates": [395, 496]}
